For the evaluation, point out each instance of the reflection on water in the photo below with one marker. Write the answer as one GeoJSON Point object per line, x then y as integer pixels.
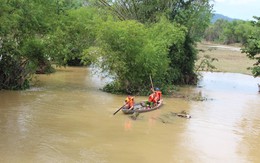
{"type": "Point", "coordinates": [64, 117]}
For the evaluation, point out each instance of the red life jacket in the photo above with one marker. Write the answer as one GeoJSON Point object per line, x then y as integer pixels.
{"type": "Point", "coordinates": [158, 95]}
{"type": "Point", "coordinates": [152, 97]}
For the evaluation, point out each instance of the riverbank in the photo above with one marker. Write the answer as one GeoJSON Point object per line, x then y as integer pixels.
{"type": "Point", "coordinates": [230, 58]}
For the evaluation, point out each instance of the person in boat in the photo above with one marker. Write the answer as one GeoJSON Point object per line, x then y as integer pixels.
{"type": "Point", "coordinates": [158, 95]}
{"type": "Point", "coordinates": [129, 102]}
{"type": "Point", "coordinates": [151, 99]}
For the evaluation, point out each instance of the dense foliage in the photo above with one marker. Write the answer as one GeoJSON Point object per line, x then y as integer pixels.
{"type": "Point", "coordinates": [21, 48]}
{"type": "Point", "coordinates": [128, 40]}
{"type": "Point", "coordinates": [131, 52]}
{"type": "Point", "coordinates": [191, 17]}
{"type": "Point", "coordinates": [32, 38]}
{"type": "Point", "coordinates": [252, 47]}
{"type": "Point", "coordinates": [229, 32]}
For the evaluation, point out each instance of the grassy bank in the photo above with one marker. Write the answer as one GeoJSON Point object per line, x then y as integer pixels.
{"type": "Point", "coordinates": [230, 58]}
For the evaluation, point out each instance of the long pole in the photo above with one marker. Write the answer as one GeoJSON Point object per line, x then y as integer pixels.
{"type": "Point", "coordinates": [151, 82]}
{"type": "Point", "coordinates": [119, 109]}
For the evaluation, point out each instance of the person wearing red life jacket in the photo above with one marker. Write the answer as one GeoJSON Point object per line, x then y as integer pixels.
{"type": "Point", "coordinates": [158, 95]}
{"type": "Point", "coordinates": [151, 99]}
{"type": "Point", "coordinates": [129, 102]}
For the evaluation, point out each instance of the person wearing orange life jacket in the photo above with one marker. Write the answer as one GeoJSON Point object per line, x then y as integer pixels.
{"type": "Point", "coordinates": [129, 102]}
{"type": "Point", "coordinates": [158, 95]}
{"type": "Point", "coordinates": [151, 99]}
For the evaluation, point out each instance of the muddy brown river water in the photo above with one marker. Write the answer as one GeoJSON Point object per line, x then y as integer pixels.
{"type": "Point", "coordinates": [64, 117]}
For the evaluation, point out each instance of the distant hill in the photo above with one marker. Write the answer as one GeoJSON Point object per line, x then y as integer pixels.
{"type": "Point", "coordinates": [220, 16]}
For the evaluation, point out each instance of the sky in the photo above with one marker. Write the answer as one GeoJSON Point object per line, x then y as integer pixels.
{"type": "Point", "coordinates": [239, 9]}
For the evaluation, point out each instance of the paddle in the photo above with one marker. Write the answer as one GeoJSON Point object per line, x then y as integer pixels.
{"type": "Point", "coordinates": [119, 109]}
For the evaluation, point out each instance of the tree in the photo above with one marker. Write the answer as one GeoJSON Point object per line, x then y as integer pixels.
{"type": "Point", "coordinates": [21, 23]}
{"type": "Point", "coordinates": [23, 30]}
{"type": "Point", "coordinates": [252, 47]}
{"type": "Point", "coordinates": [222, 31]}
{"type": "Point", "coordinates": [215, 31]}
{"type": "Point", "coordinates": [75, 32]}
{"type": "Point", "coordinates": [130, 52]}
{"type": "Point", "coordinates": [193, 15]}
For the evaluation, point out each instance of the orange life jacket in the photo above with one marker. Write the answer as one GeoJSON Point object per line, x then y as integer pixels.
{"type": "Point", "coordinates": [129, 101]}
{"type": "Point", "coordinates": [158, 95]}
{"type": "Point", "coordinates": [152, 97]}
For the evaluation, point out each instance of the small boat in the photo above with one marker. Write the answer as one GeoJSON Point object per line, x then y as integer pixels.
{"type": "Point", "coordinates": [140, 107]}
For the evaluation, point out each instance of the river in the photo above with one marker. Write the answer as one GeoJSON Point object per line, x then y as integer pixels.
{"type": "Point", "coordinates": [64, 117]}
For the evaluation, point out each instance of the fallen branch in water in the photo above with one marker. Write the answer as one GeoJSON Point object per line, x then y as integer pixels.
{"type": "Point", "coordinates": [182, 114]}
{"type": "Point", "coordinates": [171, 117]}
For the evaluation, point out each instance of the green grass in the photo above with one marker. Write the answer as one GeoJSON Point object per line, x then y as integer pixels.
{"type": "Point", "coordinates": [230, 58]}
